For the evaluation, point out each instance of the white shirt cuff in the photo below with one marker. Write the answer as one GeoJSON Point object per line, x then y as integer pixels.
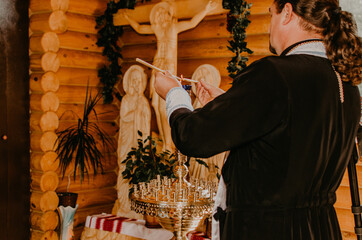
{"type": "Point", "coordinates": [177, 98]}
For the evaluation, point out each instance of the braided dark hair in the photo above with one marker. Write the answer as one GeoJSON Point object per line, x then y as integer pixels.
{"type": "Point", "coordinates": [339, 31]}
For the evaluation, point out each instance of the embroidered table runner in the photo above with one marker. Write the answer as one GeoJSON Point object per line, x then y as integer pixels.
{"type": "Point", "coordinates": [107, 226]}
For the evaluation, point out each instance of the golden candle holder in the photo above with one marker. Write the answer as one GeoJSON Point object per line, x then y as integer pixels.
{"type": "Point", "coordinates": [179, 206]}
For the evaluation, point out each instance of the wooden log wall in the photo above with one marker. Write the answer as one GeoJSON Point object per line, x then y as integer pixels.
{"type": "Point", "coordinates": [207, 44]}
{"type": "Point", "coordinates": [64, 57]}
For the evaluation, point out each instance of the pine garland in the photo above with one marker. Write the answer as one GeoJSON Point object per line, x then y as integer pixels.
{"type": "Point", "coordinates": [108, 35]}
{"type": "Point", "coordinates": [237, 23]}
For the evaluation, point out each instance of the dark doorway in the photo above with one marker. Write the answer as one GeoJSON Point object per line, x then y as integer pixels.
{"type": "Point", "coordinates": [14, 120]}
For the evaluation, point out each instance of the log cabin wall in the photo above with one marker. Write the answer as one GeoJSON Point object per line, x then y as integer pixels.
{"type": "Point", "coordinates": [207, 44]}
{"type": "Point", "coordinates": [63, 58]}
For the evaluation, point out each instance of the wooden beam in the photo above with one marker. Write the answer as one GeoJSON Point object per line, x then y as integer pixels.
{"type": "Point", "coordinates": [206, 48]}
{"type": "Point", "coordinates": [185, 9]}
{"type": "Point", "coordinates": [182, 9]}
{"type": "Point", "coordinates": [209, 28]}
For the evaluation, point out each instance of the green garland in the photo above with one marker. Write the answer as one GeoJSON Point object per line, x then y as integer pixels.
{"type": "Point", "coordinates": [108, 35]}
{"type": "Point", "coordinates": [237, 23]}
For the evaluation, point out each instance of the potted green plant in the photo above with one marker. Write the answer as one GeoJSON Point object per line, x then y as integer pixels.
{"type": "Point", "coordinates": [143, 163]}
{"type": "Point", "coordinates": [79, 142]}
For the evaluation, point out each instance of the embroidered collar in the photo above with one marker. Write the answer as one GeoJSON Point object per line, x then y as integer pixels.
{"type": "Point", "coordinates": [313, 47]}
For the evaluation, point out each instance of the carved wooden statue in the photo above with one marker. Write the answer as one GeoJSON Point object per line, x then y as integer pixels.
{"type": "Point", "coordinates": [166, 28]}
{"type": "Point", "coordinates": [211, 75]}
{"type": "Point", "coordinates": [135, 115]}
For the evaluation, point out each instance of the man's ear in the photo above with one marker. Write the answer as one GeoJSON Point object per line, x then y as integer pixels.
{"type": "Point", "coordinates": [287, 13]}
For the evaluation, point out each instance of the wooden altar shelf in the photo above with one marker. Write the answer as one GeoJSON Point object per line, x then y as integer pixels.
{"type": "Point", "coordinates": [111, 226]}
{"type": "Point", "coordinates": [44, 82]}
{"type": "Point", "coordinates": [44, 182]}
{"type": "Point", "coordinates": [108, 179]}
{"type": "Point", "coordinates": [95, 234]}
{"type": "Point", "coordinates": [44, 102]}
{"type": "Point", "coordinates": [105, 112]}
{"type": "Point", "coordinates": [39, 235]}
{"type": "Point", "coordinates": [107, 226]}
{"type": "Point", "coordinates": [47, 42]}
{"type": "Point", "coordinates": [47, 221]}
{"type": "Point", "coordinates": [94, 7]}
{"type": "Point", "coordinates": [44, 161]}
{"type": "Point", "coordinates": [77, 231]}
{"type": "Point", "coordinates": [44, 201]}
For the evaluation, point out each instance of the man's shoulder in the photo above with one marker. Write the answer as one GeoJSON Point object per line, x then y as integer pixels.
{"type": "Point", "coordinates": [266, 66]}
{"type": "Point", "coordinates": [272, 66]}
{"type": "Point", "coordinates": [271, 61]}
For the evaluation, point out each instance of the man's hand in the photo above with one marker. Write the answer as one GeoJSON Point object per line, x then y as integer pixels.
{"type": "Point", "coordinates": [164, 83]}
{"type": "Point", "coordinates": [206, 92]}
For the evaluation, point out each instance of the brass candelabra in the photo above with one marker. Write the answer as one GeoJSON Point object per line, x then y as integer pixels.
{"type": "Point", "coordinates": [179, 205]}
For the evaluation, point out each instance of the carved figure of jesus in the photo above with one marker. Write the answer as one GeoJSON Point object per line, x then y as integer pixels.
{"type": "Point", "coordinates": [135, 115]}
{"type": "Point", "coordinates": [166, 28]}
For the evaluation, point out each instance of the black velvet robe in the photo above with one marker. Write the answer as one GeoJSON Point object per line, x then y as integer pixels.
{"type": "Point", "coordinates": [290, 139]}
